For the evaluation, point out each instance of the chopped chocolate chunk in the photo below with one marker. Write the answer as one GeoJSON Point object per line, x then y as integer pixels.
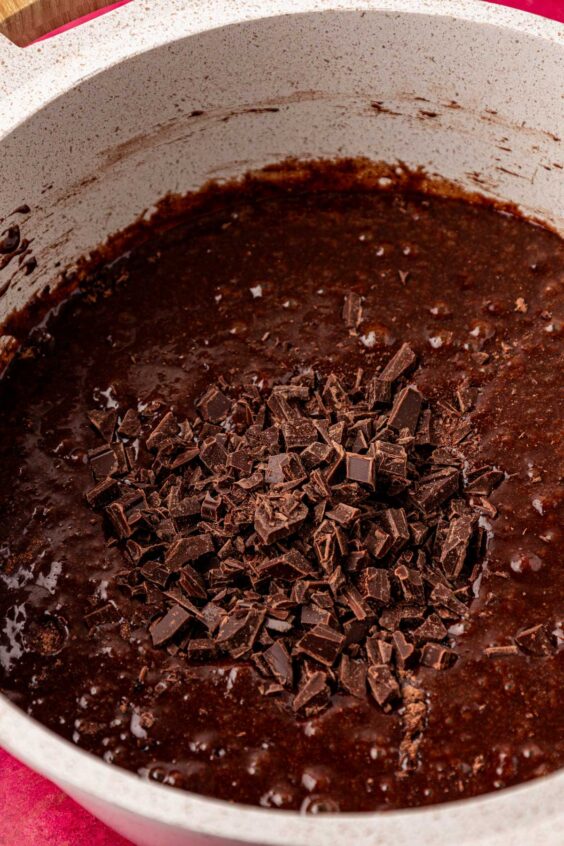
{"type": "Point", "coordinates": [298, 432]}
{"type": "Point", "coordinates": [379, 392]}
{"type": "Point", "coordinates": [400, 363]}
{"type": "Point", "coordinates": [352, 676]}
{"type": "Point", "coordinates": [163, 630]}
{"type": "Point", "coordinates": [431, 629]}
{"type": "Point", "coordinates": [378, 542]}
{"type": "Point", "coordinates": [435, 488]}
{"type": "Point", "coordinates": [192, 583]}
{"type": "Point", "coordinates": [535, 640]}
{"type": "Point", "coordinates": [238, 631]}
{"type": "Point", "coordinates": [322, 643]}
{"type": "Point", "coordinates": [406, 409]}
{"type": "Point", "coordinates": [455, 546]}
{"type": "Point", "coordinates": [374, 584]}
{"type": "Point", "coordinates": [312, 695]}
{"type": "Point", "coordinates": [103, 493]}
{"type": "Point", "coordinates": [438, 657]}
{"type": "Point", "coordinates": [130, 426]}
{"type": "Point", "coordinates": [343, 514]}
{"type": "Point", "coordinates": [361, 468]}
{"type": "Point", "coordinates": [167, 428]}
{"type": "Point", "coordinates": [390, 459]}
{"type": "Point", "coordinates": [397, 526]}
{"type": "Point", "coordinates": [280, 664]}
{"type": "Point", "coordinates": [382, 684]}
{"type": "Point", "coordinates": [278, 518]}
{"type": "Point", "coordinates": [501, 651]}
{"type": "Point", "coordinates": [104, 422]}
{"type": "Point", "coordinates": [183, 550]}
{"type": "Point", "coordinates": [405, 651]}
{"type": "Point", "coordinates": [213, 454]}
{"type": "Point", "coordinates": [214, 405]}
{"type": "Point", "coordinates": [315, 454]}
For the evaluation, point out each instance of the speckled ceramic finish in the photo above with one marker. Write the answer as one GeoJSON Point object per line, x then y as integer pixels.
{"type": "Point", "coordinates": [98, 124]}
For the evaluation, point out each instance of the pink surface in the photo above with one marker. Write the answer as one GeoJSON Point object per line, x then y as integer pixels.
{"type": "Point", "coordinates": [33, 812]}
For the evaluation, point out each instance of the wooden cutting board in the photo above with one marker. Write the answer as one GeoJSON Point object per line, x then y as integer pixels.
{"type": "Point", "coordinates": [23, 21]}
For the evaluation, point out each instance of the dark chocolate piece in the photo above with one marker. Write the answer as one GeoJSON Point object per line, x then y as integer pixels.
{"type": "Point", "coordinates": [167, 627]}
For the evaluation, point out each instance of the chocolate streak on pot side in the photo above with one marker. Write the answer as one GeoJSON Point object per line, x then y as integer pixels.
{"type": "Point", "coordinates": [494, 718]}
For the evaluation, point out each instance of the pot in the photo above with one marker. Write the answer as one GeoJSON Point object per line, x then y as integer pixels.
{"type": "Point", "coordinates": [98, 124]}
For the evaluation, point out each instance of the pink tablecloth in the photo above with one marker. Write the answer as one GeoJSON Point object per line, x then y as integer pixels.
{"type": "Point", "coordinates": [33, 812]}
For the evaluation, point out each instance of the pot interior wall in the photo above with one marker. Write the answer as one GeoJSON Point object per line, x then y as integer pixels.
{"type": "Point", "coordinates": [388, 86]}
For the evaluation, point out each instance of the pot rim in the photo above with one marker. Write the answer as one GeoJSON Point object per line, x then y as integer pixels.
{"type": "Point", "coordinates": [489, 820]}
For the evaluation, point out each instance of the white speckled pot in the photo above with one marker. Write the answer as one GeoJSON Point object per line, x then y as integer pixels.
{"type": "Point", "coordinates": [98, 124]}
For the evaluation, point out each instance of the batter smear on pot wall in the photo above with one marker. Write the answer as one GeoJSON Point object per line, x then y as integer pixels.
{"type": "Point", "coordinates": [281, 500]}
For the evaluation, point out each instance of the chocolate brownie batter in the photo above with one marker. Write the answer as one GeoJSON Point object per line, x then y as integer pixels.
{"type": "Point", "coordinates": [399, 356]}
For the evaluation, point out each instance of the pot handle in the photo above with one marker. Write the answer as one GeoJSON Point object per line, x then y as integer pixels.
{"type": "Point", "coordinates": [25, 21]}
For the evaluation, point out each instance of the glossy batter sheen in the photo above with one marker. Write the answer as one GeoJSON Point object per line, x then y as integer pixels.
{"type": "Point", "coordinates": [253, 286]}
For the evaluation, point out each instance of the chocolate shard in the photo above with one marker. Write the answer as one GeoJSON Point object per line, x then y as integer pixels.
{"type": "Point", "coordinates": [156, 573]}
{"type": "Point", "coordinates": [390, 459]}
{"type": "Point", "coordinates": [211, 507]}
{"type": "Point", "coordinates": [396, 524]}
{"type": "Point", "coordinates": [378, 392]}
{"type": "Point", "coordinates": [313, 615]}
{"type": "Point", "coordinates": [535, 640]}
{"type": "Point", "coordinates": [214, 405]}
{"type": "Point", "coordinates": [163, 630]}
{"type": "Point", "coordinates": [107, 461]}
{"type": "Point", "coordinates": [442, 596]}
{"type": "Point", "coordinates": [184, 550]}
{"type": "Point", "coordinates": [374, 584]}
{"type": "Point", "coordinates": [455, 547]}
{"type": "Point", "coordinates": [361, 468]}
{"type": "Point", "coordinates": [192, 583]}
{"type": "Point", "coordinates": [432, 628]}
{"type": "Point", "coordinates": [130, 426]}
{"type": "Point", "coordinates": [280, 663]}
{"type": "Point", "coordinates": [321, 643]}
{"type": "Point", "coordinates": [334, 395]}
{"type": "Point", "coordinates": [288, 567]}
{"type": "Point", "coordinates": [298, 432]}
{"type": "Point", "coordinates": [484, 480]}
{"type": "Point", "coordinates": [410, 582]}
{"type": "Point", "coordinates": [343, 514]}
{"type": "Point", "coordinates": [406, 409]}
{"type": "Point", "coordinates": [213, 454]}
{"type": "Point", "coordinates": [438, 657]}
{"type": "Point", "coordinates": [103, 493]}
{"type": "Point", "coordinates": [316, 454]}
{"type": "Point", "coordinates": [239, 630]}
{"type": "Point", "coordinates": [378, 542]}
{"type": "Point", "coordinates": [403, 360]}
{"type": "Point", "coordinates": [379, 651]}
{"type": "Point", "coordinates": [382, 684]}
{"type": "Point", "coordinates": [275, 519]}
{"type": "Point", "coordinates": [104, 422]}
{"type": "Point", "coordinates": [434, 488]}
{"type": "Point", "coordinates": [167, 428]}
{"type": "Point", "coordinates": [313, 694]}
{"type": "Point", "coordinates": [352, 676]}
{"type": "Point", "coordinates": [502, 651]}
{"type": "Point", "coordinates": [405, 651]}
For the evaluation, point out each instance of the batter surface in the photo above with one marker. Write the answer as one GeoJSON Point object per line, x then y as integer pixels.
{"type": "Point", "coordinates": [250, 287]}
